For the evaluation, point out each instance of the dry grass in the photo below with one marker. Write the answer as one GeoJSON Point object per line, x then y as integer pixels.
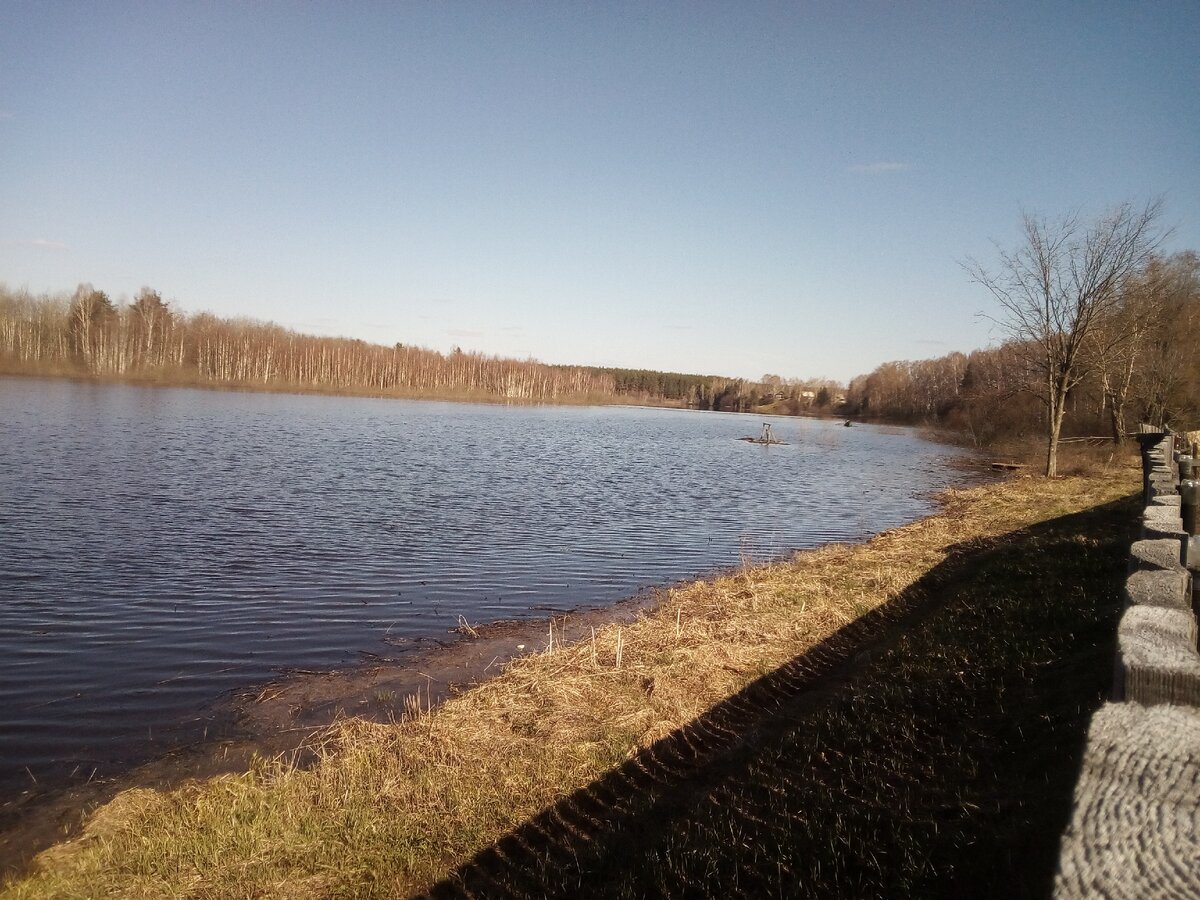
{"type": "Point", "coordinates": [389, 808]}
{"type": "Point", "coordinates": [1074, 457]}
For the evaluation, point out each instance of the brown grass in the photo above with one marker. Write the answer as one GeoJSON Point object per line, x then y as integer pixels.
{"type": "Point", "coordinates": [388, 808]}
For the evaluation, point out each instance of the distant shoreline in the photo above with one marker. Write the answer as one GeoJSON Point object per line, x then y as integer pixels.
{"type": "Point", "coordinates": [435, 397]}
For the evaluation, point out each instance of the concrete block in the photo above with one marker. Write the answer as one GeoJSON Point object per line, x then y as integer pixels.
{"type": "Point", "coordinates": [1157, 660]}
{"type": "Point", "coordinates": [1166, 500]}
{"type": "Point", "coordinates": [1171, 588]}
{"type": "Point", "coordinates": [1157, 531]}
{"type": "Point", "coordinates": [1161, 488]}
{"type": "Point", "coordinates": [1157, 512]}
{"type": "Point", "coordinates": [1135, 825]}
{"type": "Point", "coordinates": [1149, 555]}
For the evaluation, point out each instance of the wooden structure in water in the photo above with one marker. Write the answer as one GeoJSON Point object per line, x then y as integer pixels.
{"type": "Point", "coordinates": [764, 437]}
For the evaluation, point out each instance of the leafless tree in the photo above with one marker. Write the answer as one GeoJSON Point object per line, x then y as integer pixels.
{"type": "Point", "coordinates": [1167, 382]}
{"type": "Point", "coordinates": [1119, 348]}
{"type": "Point", "coordinates": [1060, 287]}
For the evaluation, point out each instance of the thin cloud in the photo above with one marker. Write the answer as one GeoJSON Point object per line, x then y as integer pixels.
{"type": "Point", "coordinates": [43, 244]}
{"type": "Point", "coordinates": [7, 114]}
{"type": "Point", "coordinates": [930, 342]}
{"type": "Point", "coordinates": [463, 333]}
{"type": "Point", "coordinates": [878, 168]}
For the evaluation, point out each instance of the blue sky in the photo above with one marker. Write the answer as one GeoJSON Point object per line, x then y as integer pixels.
{"type": "Point", "coordinates": [732, 188]}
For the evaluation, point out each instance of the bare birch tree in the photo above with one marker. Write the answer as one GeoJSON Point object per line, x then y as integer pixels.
{"type": "Point", "coordinates": [1060, 286]}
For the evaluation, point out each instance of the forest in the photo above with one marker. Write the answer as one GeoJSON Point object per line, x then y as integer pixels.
{"type": "Point", "coordinates": [150, 340]}
{"type": "Point", "coordinates": [1139, 363]}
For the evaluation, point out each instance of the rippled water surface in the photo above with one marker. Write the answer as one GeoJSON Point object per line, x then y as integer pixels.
{"type": "Point", "coordinates": [161, 546]}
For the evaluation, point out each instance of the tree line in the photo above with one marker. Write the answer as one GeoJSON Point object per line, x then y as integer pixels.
{"type": "Point", "coordinates": [150, 339]}
{"type": "Point", "coordinates": [770, 394]}
{"type": "Point", "coordinates": [1102, 332]}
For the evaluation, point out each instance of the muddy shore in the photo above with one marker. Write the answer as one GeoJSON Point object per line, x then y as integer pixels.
{"type": "Point", "coordinates": [283, 715]}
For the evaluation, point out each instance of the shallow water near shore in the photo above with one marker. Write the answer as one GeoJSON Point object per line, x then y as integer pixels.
{"type": "Point", "coordinates": [161, 547]}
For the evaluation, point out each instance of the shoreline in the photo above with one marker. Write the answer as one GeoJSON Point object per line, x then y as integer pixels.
{"type": "Point", "coordinates": [278, 718]}
{"type": "Point", "coordinates": [750, 613]}
{"type": "Point", "coordinates": [447, 397]}
{"type": "Point", "coordinates": [279, 715]}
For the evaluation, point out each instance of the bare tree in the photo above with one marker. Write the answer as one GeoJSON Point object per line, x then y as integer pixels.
{"type": "Point", "coordinates": [1060, 286]}
{"type": "Point", "coordinates": [150, 320]}
{"type": "Point", "coordinates": [1119, 347]}
{"type": "Point", "coordinates": [91, 311]}
{"type": "Point", "coordinates": [1167, 387]}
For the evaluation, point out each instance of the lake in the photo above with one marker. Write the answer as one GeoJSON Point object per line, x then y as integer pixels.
{"type": "Point", "coordinates": [160, 547]}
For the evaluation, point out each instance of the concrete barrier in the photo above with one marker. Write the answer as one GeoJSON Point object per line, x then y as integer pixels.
{"type": "Point", "coordinates": [1150, 555]}
{"type": "Point", "coordinates": [1135, 825]}
{"type": "Point", "coordinates": [1135, 831]}
{"type": "Point", "coordinates": [1156, 657]}
{"type": "Point", "coordinates": [1170, 587]}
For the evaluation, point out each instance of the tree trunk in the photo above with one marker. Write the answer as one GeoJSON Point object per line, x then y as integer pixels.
{"type": "Point", "coordinates": [1058, 409]}
{"type": "Point", "coordinates": [1117, 420]}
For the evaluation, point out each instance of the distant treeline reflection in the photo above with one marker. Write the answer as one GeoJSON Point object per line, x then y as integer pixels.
{"type": "Point", "coordinates": [149, 339]}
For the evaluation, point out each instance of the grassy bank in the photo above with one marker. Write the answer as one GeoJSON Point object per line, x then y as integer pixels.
{"type": "Point", "coordinates": [591, 735]}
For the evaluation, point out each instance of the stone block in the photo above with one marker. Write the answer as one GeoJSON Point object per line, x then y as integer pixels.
{"type": "Point", "coordinates": [1159, 531]}
{"type": "Point", "coordinates": [1158, 512]}
{"type": "Point", "coordinates": [1135, 824]}
{"type": "Point", "coordinates": [1157, 660]}
{"type": "Point", "coordinates": [1161, 488]}
{"type": "Point", "coordinates": [1149, 555]}
{"type": "Point", "coordinates": [1166, 500]}
{"type": "Point", "coordinates": [1159, 587]}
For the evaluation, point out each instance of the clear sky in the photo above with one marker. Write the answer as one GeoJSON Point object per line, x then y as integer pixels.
{"type": "Point", "coordinates": [731, 188]}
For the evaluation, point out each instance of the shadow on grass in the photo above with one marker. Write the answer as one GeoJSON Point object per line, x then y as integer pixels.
{"type": "Point", "coordinates": [930, 748]}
